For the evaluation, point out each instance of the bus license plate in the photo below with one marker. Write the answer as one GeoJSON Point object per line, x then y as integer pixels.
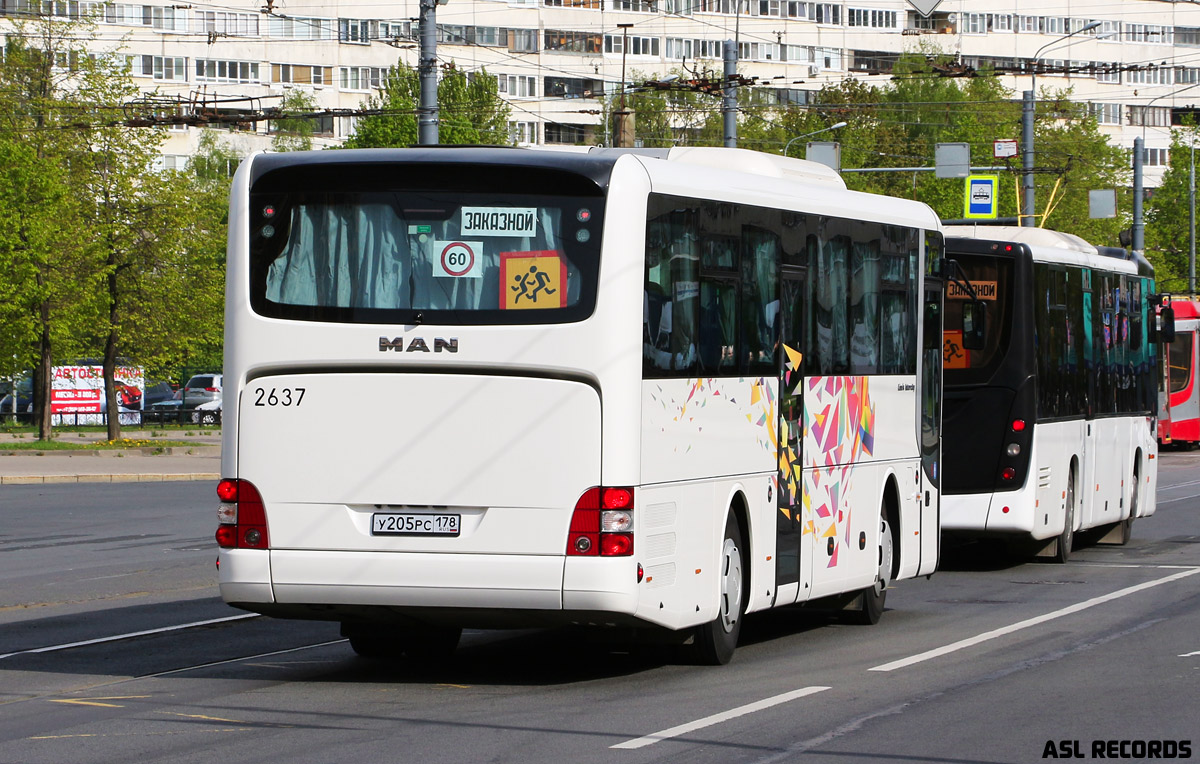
{"type": "Point", "coordinates": [415, 525]}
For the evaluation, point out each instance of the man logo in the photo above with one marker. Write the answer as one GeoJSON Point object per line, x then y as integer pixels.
{"type": "Point", "coordinates": [418, 344]}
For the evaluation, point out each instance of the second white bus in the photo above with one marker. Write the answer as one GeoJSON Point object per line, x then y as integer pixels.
{"type": "Point", "coordinates": [1050, 427]}
{"type": "Point", "coordinates": [471, 387]}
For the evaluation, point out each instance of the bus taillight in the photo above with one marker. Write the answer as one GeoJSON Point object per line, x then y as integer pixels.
{"type": "Point", "coordinates": [602, 523]}
{"type": "Point", "coordinates": [242, 516]}
{"type": "Point", "coordinates": [1018, 425]}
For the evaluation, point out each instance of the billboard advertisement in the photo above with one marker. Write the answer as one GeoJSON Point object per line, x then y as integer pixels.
{"type": "Point", "coordinates": [77, 394]}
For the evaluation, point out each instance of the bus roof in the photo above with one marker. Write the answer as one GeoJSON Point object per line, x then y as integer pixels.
{"type": "Point", "coordinates": [737, 175]}
{"type": "Point", "coordinates": [1046, 245]}
{"type": "Point", "coordinates": [1185, 308]}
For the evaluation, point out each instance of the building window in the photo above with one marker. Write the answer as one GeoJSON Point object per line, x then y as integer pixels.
{"type": "Point", "coordinates": [637, 45]}
{"type": "Point", "coordinates": [758, 51]}
{"type": "Point", "coordinates": [639, 6]}
{"type": "Point", "coordinates": [302, 74]}
{"type": "Point", "coordinates": [362, 77]}
{"type": "Point", "coordinates": [523, 40]}
{"type": "Point", "coordinates": [213, 70]}
{"type": "Point", "coordinates": [1149, 33]}
{"type": "Point", "coordinates": [517, 86]}
{"type": "Point", "coordinates": [523, 132]}
{"type": "Point", "coordinates": [166, 68]}
{"type": "Point", "coordinates": [1155, 157]}
{"type": "Point", "coordinates": [1149, 75]}
{"type": "Point", "coordinates": [1150, 116]}
{"type": "Point", "coordinates": [864, 17]}
{"type": "Point", "coordinates": [565, 41]}
{"type": "Point", "coordinates": [569, 134]}
{"type": "Point", "coordinates": [299, 28]}
{"type": "Point", "coordinates": [828, 13]}
{"type": "Point", "coordinates": [356, 31]}
{"type": "Point", "coordinates": [727, 7]}
{"type": "Point", "coordinates": [225, 23]}
{"type": "Point", "coordinates": [1109, 74]}
{"type": "Point", "coordinates": [1106, 113]}
{"type": "Point", "coordinates": [171, 162]}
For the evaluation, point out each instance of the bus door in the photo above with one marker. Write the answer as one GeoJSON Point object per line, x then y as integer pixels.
{"type": "Point", "coordinates": [790, 584]}
{"type": "Point", "coordinates": [931, 427]}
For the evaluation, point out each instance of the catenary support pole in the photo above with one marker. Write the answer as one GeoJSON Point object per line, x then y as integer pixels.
{"type": "Point", "coordinates": [427, 112]}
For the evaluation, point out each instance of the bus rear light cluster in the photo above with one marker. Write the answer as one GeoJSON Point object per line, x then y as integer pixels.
{"type": "Point", "coordinates": [243, 520]}
{"type": "Point", "coordinates": [1018, 425]}
{"type": "Point", "coordinates": [1008, 474]}
{"type": "Point", "coordinates": [602, 523]}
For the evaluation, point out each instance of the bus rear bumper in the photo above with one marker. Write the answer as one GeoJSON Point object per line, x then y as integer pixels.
{"type": "Point", "coordinates": [326, 582]}
{"type": "Point", "coordinates": [966, 512]}
{"type": "Point", "coordinates": [1004, 513]}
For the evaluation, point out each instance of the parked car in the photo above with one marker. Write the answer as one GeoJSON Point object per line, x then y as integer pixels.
{"type": "Point", "coordinates": [170, 410]}
{"type": "Point", "coordinates": [200, 389]}
{"type": "Point", "coordinates": [155, 393]}
{"type": "Point", "coordinates": [207, 413]}
{"type": "Point", "coordinates": [24, 397]}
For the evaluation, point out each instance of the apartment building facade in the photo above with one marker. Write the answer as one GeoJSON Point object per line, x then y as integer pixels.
{"type": "Point", "coordinates": [553, 58]}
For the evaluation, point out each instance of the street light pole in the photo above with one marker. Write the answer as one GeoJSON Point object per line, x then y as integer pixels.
{"type": "Point", "coordinates": [809, 135]}
{"type": "Point", "coordinates": [1027, 124]}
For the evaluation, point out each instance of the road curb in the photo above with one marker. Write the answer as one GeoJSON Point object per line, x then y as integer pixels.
{"type": "Point", "coordinates": [127, 478]}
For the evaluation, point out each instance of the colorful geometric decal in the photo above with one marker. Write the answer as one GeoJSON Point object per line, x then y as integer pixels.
{"type": "Point", "coordinates": [706, 392]}
{"type": "Point", "coordinates": [839, 426]}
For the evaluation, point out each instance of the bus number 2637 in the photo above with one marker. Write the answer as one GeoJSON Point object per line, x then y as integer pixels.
{"type": "Point", "coordinates": [283, 396]}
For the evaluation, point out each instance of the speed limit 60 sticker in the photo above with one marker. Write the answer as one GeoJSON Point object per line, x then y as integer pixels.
{"type": "Point", "coordinates": [458, 259]}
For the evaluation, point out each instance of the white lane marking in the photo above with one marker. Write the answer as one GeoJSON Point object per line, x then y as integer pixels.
{"type": "Point", "coordinates": [114, 638]}
{"type": "Point", "coordinates": [724, 716]}
{"type": "Point", "coordinates": [972, 641]}
{"type": "Point", "coordinates": [1189, 655]}
{"type": "Point", "coordinates": [1181, 498]}
{"type": "Point", "coordinates": [1179, 485]}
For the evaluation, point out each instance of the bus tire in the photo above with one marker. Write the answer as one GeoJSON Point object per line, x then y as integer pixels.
{"type": "Point", "coordinates": [871, 599]}
{"type": "Point", "coordinates": [1121, 532]}
{"type": "Point", "coordinates": [1062, 551]}
{"type": "Point", "coordinates": [716, 640]}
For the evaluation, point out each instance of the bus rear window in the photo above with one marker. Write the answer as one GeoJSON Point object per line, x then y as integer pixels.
{"type": "Point", "coordinates": [417, 256]}
{"type": "Point", "coordinates": [991, 278]}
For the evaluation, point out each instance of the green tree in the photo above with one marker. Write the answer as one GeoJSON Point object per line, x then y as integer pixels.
{"type": "Point", "coordinates": [294, 133]}
{"type": "Point", "coordinates": [130, 212]}
{"type": "Point", "coordinates": [48, 276]}
{"type": "Point", "coordinates": [470, 111]}
{"type": "Point", "coordinates": [1168, 230]}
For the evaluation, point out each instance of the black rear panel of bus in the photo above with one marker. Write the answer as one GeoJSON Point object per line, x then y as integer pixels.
{"type": "Point", "coordinates": [989, 389]}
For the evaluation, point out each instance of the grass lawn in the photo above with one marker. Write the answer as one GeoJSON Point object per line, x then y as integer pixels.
{"type": "Point", "coordinates": [13, 446]}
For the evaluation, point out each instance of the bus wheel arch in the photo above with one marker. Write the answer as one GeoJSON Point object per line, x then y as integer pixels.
{"type": "Point", "coordinates": [1121, 532]}
{"type": "Point", "coordinates": [714, 642]}
{"type": "Point", "coordinates": [868, 606]}
{"type": "Point", "coordinates": [1065, 540]}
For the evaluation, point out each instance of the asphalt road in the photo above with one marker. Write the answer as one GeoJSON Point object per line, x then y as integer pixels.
{"type": "Point", "coordinates": [988, 661]}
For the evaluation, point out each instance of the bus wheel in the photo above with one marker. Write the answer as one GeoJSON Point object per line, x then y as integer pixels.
{"type": "Point", "coordinates": [1121, 532]}
{"type": "Point", "coordinates": [1063, 551]}
{"type": "Point", "coordinates": [872, 598]}
{"type": "Point", "coordinates": [715, 641]}
{"type": "Point", "coordinates": [1126, 525]}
